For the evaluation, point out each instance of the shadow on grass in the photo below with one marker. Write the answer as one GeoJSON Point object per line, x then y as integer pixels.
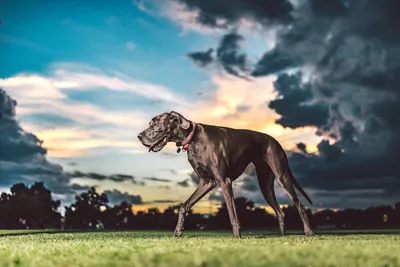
{"type": "Point", "coordinates": [35, 232]}
{"type": "Point", "coordinates": [265, 234]}
{"type": "Point", "coordinates": [256, 233]}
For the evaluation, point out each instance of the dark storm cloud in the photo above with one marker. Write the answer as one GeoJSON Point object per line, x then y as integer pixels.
{"type": "Point", "coordinates": [347, 58]}
{"type": "Point", "coordinates": [293, 103]}
{"type": "Point", "coordinates": [116, 197]}
{"type": "Point", "coordinates": [22, 157]}
{"type": "Point", "coordinates": [223, 13]}
{"type": "Point", "coordinates": [228, 56]}
{"type": "Point", "coordinates": [101, 177]}
{"type": "Point", "coordinates": [184, 183]}
{"type": "Point", "coordinates": [155, 179]}
{"type": "Point", "coordinates": [16, 145]}
{"type": "Point", "coordinates": [37, 169]}
{"type": "Point", "coordinates": [302, 147]}
{"type": "Point", "coordinates": [274, 61]}
{"type": "Point", "coordinates": [201, 59]}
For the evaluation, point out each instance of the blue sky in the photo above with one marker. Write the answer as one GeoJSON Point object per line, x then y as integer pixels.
{"type": "Point", "coordinates": [111, 34]}
{"type": "Point", "coordinates": [88, 75]}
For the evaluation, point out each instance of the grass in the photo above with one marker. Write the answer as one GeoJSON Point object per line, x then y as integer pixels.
{"type": "Point", "coordinates": [198, 248]}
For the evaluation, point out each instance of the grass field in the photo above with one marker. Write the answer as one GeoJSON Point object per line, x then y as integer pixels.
{"type": "Point", "coordinates": [199, 248]}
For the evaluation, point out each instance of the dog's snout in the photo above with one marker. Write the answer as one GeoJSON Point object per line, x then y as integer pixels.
{"type": "Point", "coordinates": [140, 136]}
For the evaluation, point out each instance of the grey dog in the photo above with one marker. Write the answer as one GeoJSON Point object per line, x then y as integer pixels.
{"type": "Point", "coordinates": [219, 155]}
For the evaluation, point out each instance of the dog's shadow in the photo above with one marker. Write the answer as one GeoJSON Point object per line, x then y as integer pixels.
{"type": "Point", "coordinates": [192, 234]}
{"type": "Point", "coordinates": [322, 233]}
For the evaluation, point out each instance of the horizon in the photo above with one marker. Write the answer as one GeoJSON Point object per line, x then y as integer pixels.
{"type": "Point", "coordinates": [87, 78]}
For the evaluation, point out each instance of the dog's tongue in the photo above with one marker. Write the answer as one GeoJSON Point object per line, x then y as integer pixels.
{"type": "Point", "coordinates": [151, 147]}
{"type": "Point", "coordinates": [156, 143]}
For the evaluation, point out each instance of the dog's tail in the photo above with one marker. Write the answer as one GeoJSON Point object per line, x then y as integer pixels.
{"type": "Point", "coordinates": [296, 184]}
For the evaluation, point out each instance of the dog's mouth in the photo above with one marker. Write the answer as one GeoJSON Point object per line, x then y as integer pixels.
{"type": "Point", "coordinates": [157, 146]}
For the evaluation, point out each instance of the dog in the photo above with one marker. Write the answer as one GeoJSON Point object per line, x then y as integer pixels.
{"type": "Point", "coordinates": [219, 155]}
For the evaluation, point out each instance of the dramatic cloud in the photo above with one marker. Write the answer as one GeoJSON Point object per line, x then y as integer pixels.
{"type": "Point", "coordinates": [337, 64]}
{"type": "Point", "coordinates": [273, 61]}
{"type": "Point", "coordinates": [201, 59]}
{"type": "Point", "coordinates": [293, 104]}
{"type": "Point", "coordinates": [227, 56]}
{"type": "Point", "coordinates": [101, 177]}
{"type": "Point", "coordinates": [22, 157]}
{"type": "Point", "coordinates": [116, 197]}
{"type": "Point", "coordinates": [224, 13]}
{"type": "Point", "coordinates": [240, 104]}
{"type": "Point", "coordinates": [352, 97]}
{"type": "Point", "coordinates": [302, 147]}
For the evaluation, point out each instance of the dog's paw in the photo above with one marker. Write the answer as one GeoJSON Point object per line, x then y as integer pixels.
{"type": "Point", "coordinates": [178, 233]}
{"type": "Point", "coordinates": [310, 233]}
{"type": "Point", "coordinates": [237, 234]}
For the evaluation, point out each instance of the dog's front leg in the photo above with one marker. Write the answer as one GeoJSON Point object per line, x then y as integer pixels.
{"type": "Point", "coordinates": [202, 189]}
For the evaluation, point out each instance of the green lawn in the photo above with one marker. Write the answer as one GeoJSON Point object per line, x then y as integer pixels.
{"type": "Point", "coordinates": [198, 248]}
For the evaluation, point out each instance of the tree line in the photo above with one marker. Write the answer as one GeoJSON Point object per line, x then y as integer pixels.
{"type": "Point", "coordinates": [34, 208]}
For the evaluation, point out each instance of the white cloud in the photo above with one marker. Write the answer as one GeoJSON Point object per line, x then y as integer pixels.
{"type": "Point", "coordinates": [96, 127]}
{"type": "Point", "coordinates": [233, 93]}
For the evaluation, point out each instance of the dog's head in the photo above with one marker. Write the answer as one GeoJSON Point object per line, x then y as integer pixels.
{"type": "Point", "coordinates": [164, 128]}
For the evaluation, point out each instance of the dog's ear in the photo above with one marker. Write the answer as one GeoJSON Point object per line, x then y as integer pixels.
{"type": "Point", "coordinates": [183, 122]}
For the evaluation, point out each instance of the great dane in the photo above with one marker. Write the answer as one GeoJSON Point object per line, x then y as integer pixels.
{"type": "Point", "coordinates": [219, 155]}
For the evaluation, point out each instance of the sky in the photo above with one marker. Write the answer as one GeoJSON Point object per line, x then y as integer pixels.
{"type": "Point", "coordinates": [87, 76]}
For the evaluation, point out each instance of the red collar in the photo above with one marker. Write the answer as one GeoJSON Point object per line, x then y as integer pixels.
{"type": "Point", "coordinates": [188, 139]}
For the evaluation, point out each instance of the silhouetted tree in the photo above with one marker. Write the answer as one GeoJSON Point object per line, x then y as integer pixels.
{"type": "Point", "coordinates": [29, 207]}
{"type": "Point", "coordinates": [118, 216]}
{"type": "Point", "coordinates": [86, 211]}
{"type": "Point", "coordinates": [33, 207]}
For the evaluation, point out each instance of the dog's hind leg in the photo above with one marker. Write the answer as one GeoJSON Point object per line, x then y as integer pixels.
{"type": "Point", "coordinates": [278, 162]}
{"type": "Point", "coordinates": [266, 178]}
{"type": "Point", "coordinates": [226, 186]}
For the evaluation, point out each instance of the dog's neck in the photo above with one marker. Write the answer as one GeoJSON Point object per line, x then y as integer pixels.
{"type": "Point", "coordinates": [186, 142]}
